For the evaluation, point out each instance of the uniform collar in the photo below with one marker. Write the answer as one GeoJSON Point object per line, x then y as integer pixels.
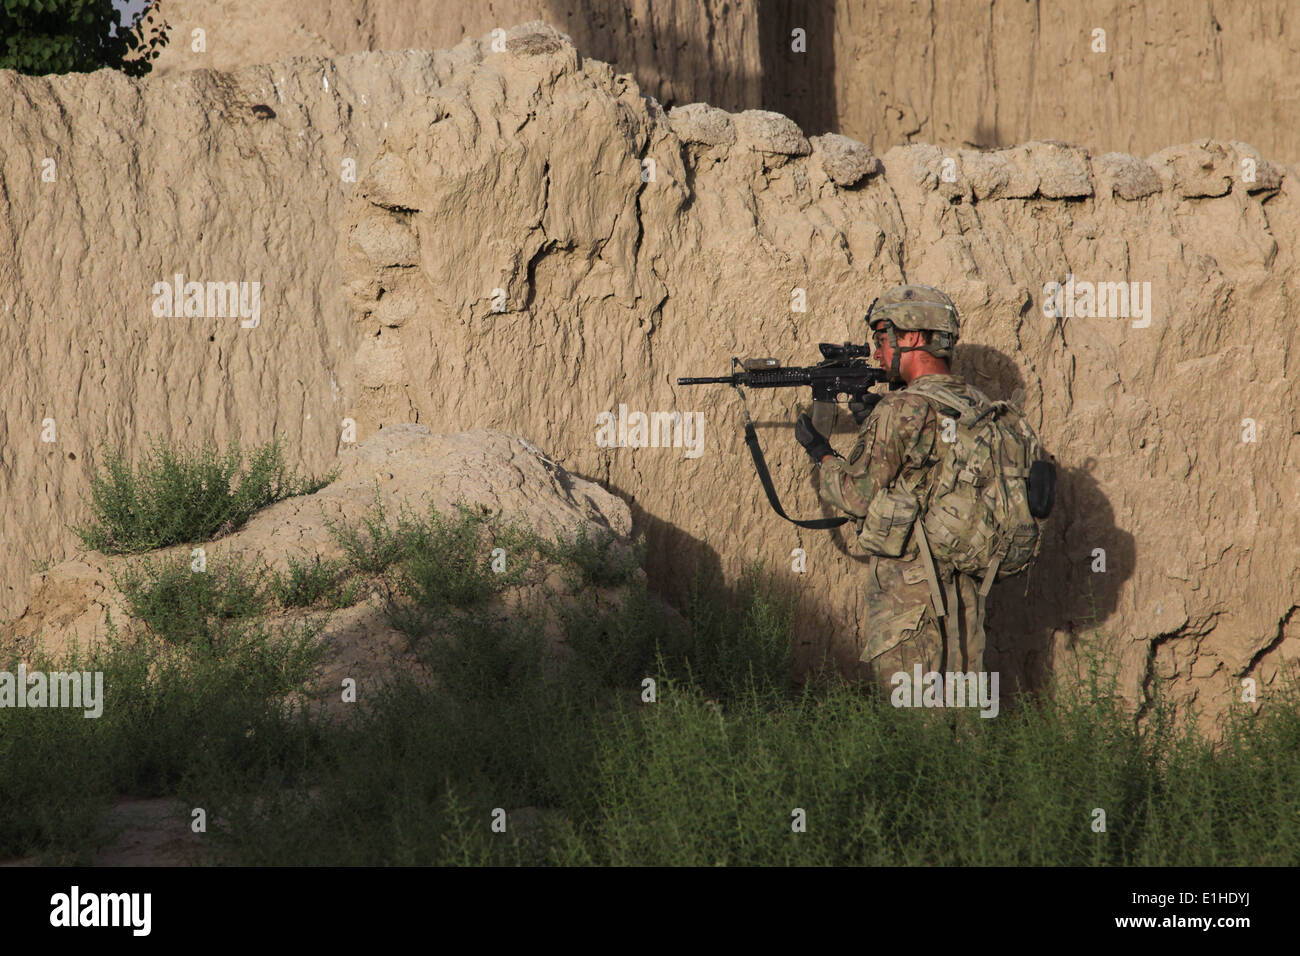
{"type": "Point", "coordinates": [936, 377]}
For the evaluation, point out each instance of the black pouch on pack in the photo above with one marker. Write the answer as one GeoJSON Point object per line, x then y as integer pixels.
{"type": "Point", "coordinates": [1042, 488]}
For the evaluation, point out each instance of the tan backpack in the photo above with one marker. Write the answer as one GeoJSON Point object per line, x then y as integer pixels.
{"type": "Point", "coordinates": [975, 509]}
{"type": "Point", "coordinates": [978, 510]}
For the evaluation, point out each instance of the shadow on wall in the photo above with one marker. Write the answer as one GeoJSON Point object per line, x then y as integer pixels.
{"type": "Point", "coordinates": [677, 63]}
{"type": "Point", "coordinates": [993, 373]}
{"type": "Point", "coordinates": [985, 136]}
{"type": "Point", "coordinates": [670, 50]}
{"type": "Point", "coordinates": [799, 84]}
{"type": "Point", "coordinates": [1061, 593]}
{"type": "Point", "coordinates": [675, 559]}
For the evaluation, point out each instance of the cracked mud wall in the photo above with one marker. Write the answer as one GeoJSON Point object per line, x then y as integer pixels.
{"type": "Point", "coordinates": [109, 186]}
{"type": "Point", "coordinates": [502, 263]}
{"type": "Point", "coordinates": [678, 50]}
{"type": "Point", "coordinates": [984, 73]}
{"type": "Point", "coordinates": [972, 73]}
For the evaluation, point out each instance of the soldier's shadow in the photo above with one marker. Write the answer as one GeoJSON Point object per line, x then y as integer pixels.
{"type": "Point", "coordinates": [1086, 556]}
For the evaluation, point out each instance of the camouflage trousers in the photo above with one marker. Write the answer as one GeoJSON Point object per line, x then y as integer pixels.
{"type": "Point", "coordinates": [902, 629]}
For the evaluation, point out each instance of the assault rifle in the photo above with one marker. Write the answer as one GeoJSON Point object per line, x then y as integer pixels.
{"type": "Point", "coordinates": [843, 371]}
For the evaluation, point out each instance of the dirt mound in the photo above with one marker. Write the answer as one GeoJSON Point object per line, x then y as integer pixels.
{"type": "Point", "coordinates": [402, 466]}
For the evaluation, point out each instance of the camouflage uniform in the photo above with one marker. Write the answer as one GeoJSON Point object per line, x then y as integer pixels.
{"type": "Point", "coordinates": [901, 441]}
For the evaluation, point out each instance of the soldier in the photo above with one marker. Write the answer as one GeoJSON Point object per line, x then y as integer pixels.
{"type": "Point", "coordinates": [919, 610]}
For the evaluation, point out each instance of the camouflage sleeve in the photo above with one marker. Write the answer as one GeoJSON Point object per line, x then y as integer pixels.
{"type": "Point", "coordinates": [894, 435]}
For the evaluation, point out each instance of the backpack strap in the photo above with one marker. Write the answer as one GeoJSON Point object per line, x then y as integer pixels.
{"type": "Point", "coordinates": [966, 409]}
{"type": "Point", "coordinates": [952, 631]}
{"type": "Point", "coordinates": [949, 623]}
{"type": "Point", "coordinates": [931, 575]}
{"type": "Point", "coordinates": [981, 596]}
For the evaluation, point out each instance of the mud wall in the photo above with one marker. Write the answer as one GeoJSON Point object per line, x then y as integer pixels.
{"type": "Point", "coordinates": [531, 243]}
{"type": "Point", "coordinates": [961, 73]}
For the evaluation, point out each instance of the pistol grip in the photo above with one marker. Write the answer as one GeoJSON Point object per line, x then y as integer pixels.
{"type": "Point", "coordinates": [823, 416]}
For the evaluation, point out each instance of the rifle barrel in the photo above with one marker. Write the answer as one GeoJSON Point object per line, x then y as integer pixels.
{"type": "Point", "coordinates": [718, 380]}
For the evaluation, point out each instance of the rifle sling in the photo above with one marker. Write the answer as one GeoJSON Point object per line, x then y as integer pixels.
{"type": "Point", "coordinates": [764, 476]}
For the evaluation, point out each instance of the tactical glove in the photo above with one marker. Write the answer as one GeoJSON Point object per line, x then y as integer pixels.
{"type": "Point", "coordinates": [813, 441]}
{"type": "Point", "coordinates": [862, 406]}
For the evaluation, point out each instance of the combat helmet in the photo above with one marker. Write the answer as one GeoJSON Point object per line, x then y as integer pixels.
{"type": "Point", "coordinates": [916, 308]}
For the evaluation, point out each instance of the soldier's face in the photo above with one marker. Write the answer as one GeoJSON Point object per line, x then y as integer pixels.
{"type": "Point", "coordinates": [884, 354]}
{"type": "Point", "coordinates": [880, 340]}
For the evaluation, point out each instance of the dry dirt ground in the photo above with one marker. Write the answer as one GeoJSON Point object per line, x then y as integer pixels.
{"type": "Point", "coordinates": [142, 832]}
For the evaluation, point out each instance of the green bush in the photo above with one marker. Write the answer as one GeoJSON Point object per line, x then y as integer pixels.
{"type": "Point", "coordinates": [184, 606]}
{"type": "Point", "coordinates": [446, 568]}
{"type": "Point", "coordinates": [624, 645]}
{"type": "Point", "coordinates": [599, 561]}
{"type": "Point", "coordinates": [176, 722]}
{"type": "Point", "coordinates": [308, 582]}
{"type": "Point", "coordinates": [376, 545]}
{"type": "Point", "coordinates": [434, 567]}
{"type": "Point", "coordinates": [176, 496]}
{"type": "Point", "coordinates": [448, 562]}
{"type": "Point", "coordinates": [67, 36]}
{"type": "Point", "coordinates": [741, 642]}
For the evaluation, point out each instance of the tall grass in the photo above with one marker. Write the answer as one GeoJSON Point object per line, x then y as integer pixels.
{"type": "Point", "coordinates": [664, 738]}
{"type": "Point", "coordinates": [175, 719]}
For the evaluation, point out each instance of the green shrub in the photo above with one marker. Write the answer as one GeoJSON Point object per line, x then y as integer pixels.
{"type": "Point", "coordinates": [446, 568]}
{"type": "Point", "coordinates": [624, 645]}
{"type": "Point", "coordinates": [177, 721]}
{"type": "Point", "coordinates": [448, 562]}
{"type": "Point", "coordinates": [177, 496]}
{"type": "Point", "coordinates": [308, 582]}
{"type": "Point", "coordinates": [376, 545]}
{"type": "Point", "coordinates": [599, 560]}
{"type": "Point", "coordinates": [183, 606]}
{"type": "Point", "coordinates": [66, 36]}
{"type": "Point", "coordinates": [741, 641]}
